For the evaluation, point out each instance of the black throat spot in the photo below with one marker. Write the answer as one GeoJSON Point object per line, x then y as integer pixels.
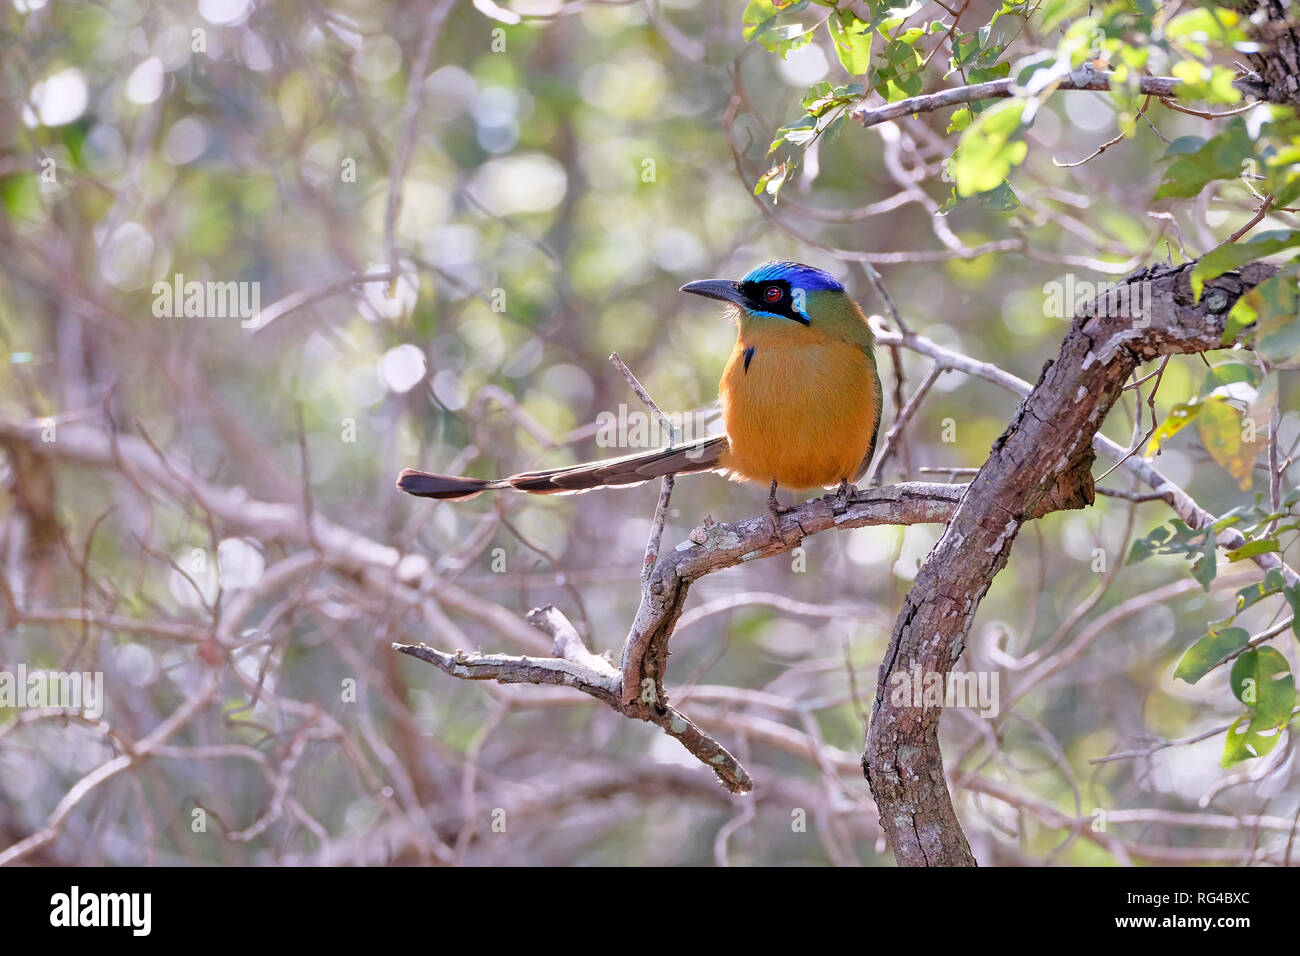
{"type": "Point", "coordinates": [749, 354]}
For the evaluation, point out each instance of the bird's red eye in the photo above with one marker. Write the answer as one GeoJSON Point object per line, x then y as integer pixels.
{"type": "Point", "coordinates": [773, 293]}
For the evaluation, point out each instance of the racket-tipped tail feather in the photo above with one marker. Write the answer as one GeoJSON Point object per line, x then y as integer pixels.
{"type": "Point", "coordinates": [707, 454]}
{"type": "Point", "coordinates": [422, 484]}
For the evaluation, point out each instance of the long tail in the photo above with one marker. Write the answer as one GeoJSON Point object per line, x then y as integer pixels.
{"type": "Point", "coordinates": [703, 455]}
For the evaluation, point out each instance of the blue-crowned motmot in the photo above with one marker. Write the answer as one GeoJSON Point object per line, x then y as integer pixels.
{"type": "Point", "coordinates": [800, 398]}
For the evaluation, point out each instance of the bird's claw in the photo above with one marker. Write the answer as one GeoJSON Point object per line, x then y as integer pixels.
{"type": "Point", "coordinates": [774, 509]}
{"type": "Point", "coordinates": [844, 496]}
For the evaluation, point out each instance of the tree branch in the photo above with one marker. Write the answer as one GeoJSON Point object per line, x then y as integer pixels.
{"type": "Point", "coordinates": [636, 689]}
{"type": "Point", "coordinates": [1161, 487]}
{"type": "Point", "coordinates": [1043, 457]}
{"type": "Point", "coordinates": [1081, 79]}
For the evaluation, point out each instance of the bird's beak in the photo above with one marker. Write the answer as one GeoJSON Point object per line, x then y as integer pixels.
{"type": "Point", "coordinates": [722, 289]}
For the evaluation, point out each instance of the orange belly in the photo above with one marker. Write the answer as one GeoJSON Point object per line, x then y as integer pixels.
{"type": "Point", "coordinates": [804, 412]}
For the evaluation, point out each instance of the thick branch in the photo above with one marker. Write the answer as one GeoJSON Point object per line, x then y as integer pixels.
{"type": "Point", "coordinates": [1167, 491]}
{"type": "Point", "coordinates": [1276, 59]}
{"type": "Point", "coordinates": [1049, 440]}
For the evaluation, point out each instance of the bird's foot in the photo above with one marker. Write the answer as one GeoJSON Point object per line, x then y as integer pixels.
{"type": "Point", "coordinates": [843, 496]}
{"type": "Point", "coordinates": [774, 509]}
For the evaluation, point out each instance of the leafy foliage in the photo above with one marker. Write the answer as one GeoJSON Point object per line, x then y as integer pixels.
{"type": "Point", "coordinates": [1261, 677]}
{"type": "Point", "coordinates": [1269, 315]}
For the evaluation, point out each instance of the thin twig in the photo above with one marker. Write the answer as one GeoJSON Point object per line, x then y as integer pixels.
{"type": "Point", "coordinates": [1265, 205]}
{"type": "Point", "coordinates": [1098, 80]}
{"type": "Point", "coordinates": [1119, 137]}
{"type": "Point", "coordinates": [406, 125]}
{"type": "Point", "coordinates": [666, 485]}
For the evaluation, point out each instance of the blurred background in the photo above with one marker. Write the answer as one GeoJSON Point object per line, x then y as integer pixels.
{"type": "Point", "coordinates": [450, 214]}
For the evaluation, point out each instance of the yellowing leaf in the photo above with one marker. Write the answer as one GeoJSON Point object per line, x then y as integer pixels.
{"type": "Point", "coordinates": [1223, 434]}
{"type": "Point", "coordinates": [1179, 417]}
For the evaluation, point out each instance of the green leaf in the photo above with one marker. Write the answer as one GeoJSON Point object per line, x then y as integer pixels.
{"type": "Point", "coordinates": [1233, 255]}
{"type": "Point", "coordinates": [1242, 681]}
{"type": "Point", "coordinates": [1195, 543]}
{"type": "Point", "coordinates": [1192, 31]}
{"type": "Point", "coordinates": [1209, 83]}
{"type": "Point", "coordinates": [1262, 680]}
{"type": "Point", "coordinates": [21, 195]}
{"type": "Point", "coordinates": [1183, 146]}
{"type": "Point", "coordinates": [965, 47]}
{"type": "Point", "coordinates": [1216, 24]}
{"type": "Point", "coordinates": [1292, 595]}
{"type": "Point", "coordinates": [818, 97]}
{"type": "Point", "coordinates": [1252, 594]}
{"type": "Point", "coordinates": [986, 152]}
{"type": "Point", "coordinates": [1206, 567]}
{"type": "Point", "coordinates": [801, 132]}
{"type": "Point", "coordinates": [1217, 158]}
{"type": "Point", "coordinates": [1001, 199]}
{"type": "Point", "coordinates": [1209, 652]}
{"type": "Point", "coordinates": [1252, 548]}
{"type": "Point", "coordinates": [1227, 373]}
{"type": "Point", "coordinates": [901, 86]}
{"type": "Point", "coordinates": [1263, 300]}
{"type": "Point", "coordinates": [760, 16]}
{"type": "Point", "coordinates": [1244, 743]}
{"type": "Point", "coordinates": [1285, 187]}
{"type": "Point", "coordinates": [997, 71]}
{"type": "Point", "coordinates": [1273, 308]}
{"type": "Point", "coordinates": [1143, 548]}
{"type": "Point", "coordinates": [1283, 346]}
{"type": "Point", "coordinates": [901, 13]}
{"type": "Point", "coordinates": [784, 40]}
{"type": "Point", "coordinates": [821, 98]}
{"type": "Point", "coordinates": [852, 40]}
{"type": "Point", "coordinates": [901, 53]}
{"type": "Point", "coordinates": [1054, 12]}
{"type": "Point", "coordinates": [760, 23]}
{"type": "Point", "coordinates": [833, 128]}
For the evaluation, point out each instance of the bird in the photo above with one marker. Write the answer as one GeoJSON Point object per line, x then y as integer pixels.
{"type": "Point", "coordinates": [800, 398]}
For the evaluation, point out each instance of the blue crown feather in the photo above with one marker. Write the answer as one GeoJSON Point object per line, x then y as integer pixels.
{"type": "Point", "coordinates": [797, 274]}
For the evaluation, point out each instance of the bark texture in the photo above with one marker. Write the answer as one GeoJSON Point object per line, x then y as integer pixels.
{"type": "Point", "coordinates": [1277, 63]}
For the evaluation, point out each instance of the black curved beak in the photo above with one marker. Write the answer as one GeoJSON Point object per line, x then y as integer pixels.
{"type": "Point", "coordinates": [722, 289]}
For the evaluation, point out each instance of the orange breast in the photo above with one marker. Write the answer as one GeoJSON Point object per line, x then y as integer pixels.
{"type": "Point", "coordinates": [803, 413]}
